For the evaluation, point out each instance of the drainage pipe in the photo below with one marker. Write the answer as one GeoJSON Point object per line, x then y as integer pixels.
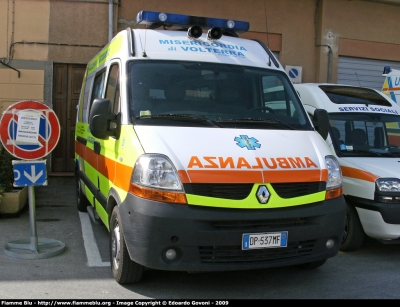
{"type": "Point", "coordinates": [110, 20]}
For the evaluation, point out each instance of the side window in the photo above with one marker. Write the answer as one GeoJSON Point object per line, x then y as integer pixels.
{"type": "Point", "coordinates": [85, 105]}
{"type": "Point", "coordinates": [112, 88]}
{"type": "Point", "coordinates": [98, 86]}
{"type": "Point", "coordinates": [277, 98]}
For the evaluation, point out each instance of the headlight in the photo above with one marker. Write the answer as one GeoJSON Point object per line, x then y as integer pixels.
{"type": "Point", "coordinates": [334, 173]}
{"type": "Point", "coordinates": [387, 184]}
{"type": "Point", "coordinates": [156, 171]}
{"type": "Point", "coordinates": [387, 190]}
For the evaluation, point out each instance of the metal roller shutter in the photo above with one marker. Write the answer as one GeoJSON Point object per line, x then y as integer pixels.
{"type": "Point", "coordinates": [363, 72]}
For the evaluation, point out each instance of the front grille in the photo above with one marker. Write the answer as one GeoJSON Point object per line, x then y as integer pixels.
{"type": "Point", "coordinates": [227, 191]}
{"type": "Point", "coordinates": [241, 191]}
{"type": "Point", "coordinates": [289, 190]}
{"type": "Point", "coordinates": [257, 224]}
{"type": "Point", "coordinates": [234, 254]}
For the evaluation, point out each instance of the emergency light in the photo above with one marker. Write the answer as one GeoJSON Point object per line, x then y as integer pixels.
{"type": "Point", "coordinates": [216, 26]}
{"type": "Point", "coordinates": [386, 70]}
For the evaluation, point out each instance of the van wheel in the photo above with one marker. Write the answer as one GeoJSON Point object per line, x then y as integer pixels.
{"type": "Point", "coordinates": [124, 270]}
{"type": "Point", "coordinates": [81, 201]}
{"type": "Point", "coordinates": [312, 265]}
{"type": "Point", "coordinates": [353, 236]}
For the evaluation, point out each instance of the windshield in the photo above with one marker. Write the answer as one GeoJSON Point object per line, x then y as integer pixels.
{"type": "Point", "coordinates": [365, 134]}
{"type": "Point", "coordinates": [343, 94]}
{"type": "Point", "coordinates": [179, 93]}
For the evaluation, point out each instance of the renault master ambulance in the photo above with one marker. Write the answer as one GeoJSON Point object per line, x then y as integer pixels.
{"type": "Point", "coordinates": [365, 137]}
{"type": "Point", "coordinates": [181, 158]}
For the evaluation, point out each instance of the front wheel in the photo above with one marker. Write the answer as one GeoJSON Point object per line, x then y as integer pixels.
{"type": "Point", "coordinates": [353, 236]}
{"type": "Point", "coordinates": [124, 270]}
{"type": "Point", "coordinates": [81, 201]}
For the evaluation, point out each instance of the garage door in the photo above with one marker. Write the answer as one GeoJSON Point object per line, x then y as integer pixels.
{"type": "Point", "coordinates": [363, 72]}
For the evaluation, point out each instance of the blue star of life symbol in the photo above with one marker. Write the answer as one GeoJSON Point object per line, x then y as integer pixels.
{"type": "Point", "coordinates": [249, 143]}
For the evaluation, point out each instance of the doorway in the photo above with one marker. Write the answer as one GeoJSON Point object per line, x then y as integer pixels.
{"type": "Point", "coordinates": [67, 82]}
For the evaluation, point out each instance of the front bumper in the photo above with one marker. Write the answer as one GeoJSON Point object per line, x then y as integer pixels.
{"type": "Point", "coordinates": [209, 239]}
{"type": "Point", "coordinates": [379, 220]}
{"type": "Point", "coordinates": [390, 212]}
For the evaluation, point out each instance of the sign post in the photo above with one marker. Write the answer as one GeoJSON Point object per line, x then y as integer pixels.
{"type": "Point", "coordinates": [30, 130]}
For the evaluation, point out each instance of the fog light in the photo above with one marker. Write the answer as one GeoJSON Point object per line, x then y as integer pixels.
{"type": "Point", "coordinates": [170, 254]}
{"type": "Point", "coordinates": [330, 243]}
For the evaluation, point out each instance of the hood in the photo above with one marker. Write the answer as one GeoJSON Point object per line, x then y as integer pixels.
{"type": "Point", "coordinates": [378, 167]}
{"type": "Point", "coordinates": [206, 155]}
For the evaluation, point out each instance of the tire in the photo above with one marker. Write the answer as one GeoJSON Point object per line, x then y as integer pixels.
{"type": "Point", "coordinates": [313, 265]}
{"type": "Point", "coordinates": [81, 201]}
{"type": "Point", "coordinates": [124, 270]}
{"type": "Point", "coordinates": [353, 236]}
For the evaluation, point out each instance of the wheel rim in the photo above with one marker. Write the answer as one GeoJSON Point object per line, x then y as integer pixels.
{"type": "Point", "coordinates": [115, 246]}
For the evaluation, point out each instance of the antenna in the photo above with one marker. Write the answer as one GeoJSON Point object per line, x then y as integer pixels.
{"type": "Point", "coordinates": [359, 83]}
{"type": "Point", "coordinates": [266, 28]}
{"type": "Point", "coordinates": [141, 45]}
{"type": "Point", "coordinates": [145, 36]}
{"type": "Point", "coordinates": [266, 22]}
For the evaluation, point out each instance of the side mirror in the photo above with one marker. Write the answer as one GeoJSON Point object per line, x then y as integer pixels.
{"type": "Point", "coordinates": [100, 119]}
{"type": "Point", "coordinates": [321, 122]}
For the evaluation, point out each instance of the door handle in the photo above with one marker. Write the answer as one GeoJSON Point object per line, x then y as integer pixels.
{"type": "Point", "coordinates": [97, 147]}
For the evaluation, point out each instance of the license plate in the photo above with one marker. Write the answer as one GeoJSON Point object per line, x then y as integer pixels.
{"type": "Point", "coordinates": [264, 240]}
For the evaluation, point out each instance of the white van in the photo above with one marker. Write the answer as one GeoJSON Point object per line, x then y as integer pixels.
{"type": "Point", "coordinates": [179, 156]}
{"type": "Point", "coordinates": [365, 137]}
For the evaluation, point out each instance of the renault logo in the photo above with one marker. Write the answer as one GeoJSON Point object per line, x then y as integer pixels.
{"type": "Point", "coordinates": [262, 194]}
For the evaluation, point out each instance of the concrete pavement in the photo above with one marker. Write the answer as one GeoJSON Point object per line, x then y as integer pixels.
{"type": "Point", "coordinates": [57, 219]}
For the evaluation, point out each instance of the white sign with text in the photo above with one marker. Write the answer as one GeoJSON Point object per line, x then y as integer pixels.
{"type": "Point", "coordinates": [28, 127]}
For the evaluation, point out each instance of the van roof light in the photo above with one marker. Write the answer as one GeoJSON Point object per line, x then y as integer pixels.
{"type": "Point", "coordinates": [157, 19]}
{"type": "Point", "coordinates": [386, 70]}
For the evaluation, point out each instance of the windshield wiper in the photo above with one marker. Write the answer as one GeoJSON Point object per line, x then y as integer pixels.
{"type": "Point", "coordinates": [180, 117]}
{"type": "Point", "coordinates": [373, 152]}
{"type": "Point", "coordinates": [388, 153]}
{"type": "Point", "coordinates": [361, 151]}
{"type": "Point", "coordinates": [273, 122]}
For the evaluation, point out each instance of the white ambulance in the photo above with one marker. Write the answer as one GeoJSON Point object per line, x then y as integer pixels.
{"type": "Point", "coordinates": [365, 137]}
{"type": "Point", "coordinates": [181, 157]}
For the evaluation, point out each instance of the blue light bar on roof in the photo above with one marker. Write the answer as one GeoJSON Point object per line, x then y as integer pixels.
{"type": "Point", "coordinates": [386, 70]}
{"type": "Point", "coordinates": [168, 19]}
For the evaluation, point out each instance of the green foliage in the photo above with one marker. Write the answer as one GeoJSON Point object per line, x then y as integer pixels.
{"type": "Point", "coordinates": [6, 171]}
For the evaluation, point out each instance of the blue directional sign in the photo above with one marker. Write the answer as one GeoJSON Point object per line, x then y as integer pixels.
{"type": "Point", "coordinates": [29, 173]}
